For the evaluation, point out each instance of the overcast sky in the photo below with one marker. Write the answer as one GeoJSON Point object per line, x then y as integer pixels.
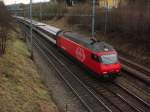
{"type": "Point", "coordinates": [8, 2]}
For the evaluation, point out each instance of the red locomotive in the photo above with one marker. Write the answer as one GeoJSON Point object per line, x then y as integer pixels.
{"type": "Point", "coordinates": [99, 57]}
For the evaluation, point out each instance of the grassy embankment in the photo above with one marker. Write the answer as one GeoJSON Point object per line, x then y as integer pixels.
{"type": "Point", "coordinates": [21, 89]}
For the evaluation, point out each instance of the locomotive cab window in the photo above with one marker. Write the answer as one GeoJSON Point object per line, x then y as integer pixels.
{"type": "Point", "coordinates": [109, 58]}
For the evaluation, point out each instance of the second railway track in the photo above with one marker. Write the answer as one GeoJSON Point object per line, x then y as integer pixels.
{"type": "Point", "coordinates": [138, 71]}
{"type": "Point", "coordinates": [136, 66]}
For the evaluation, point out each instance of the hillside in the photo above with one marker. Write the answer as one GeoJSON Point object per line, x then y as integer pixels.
{"type": "Point", "coordinates": [21, 89]}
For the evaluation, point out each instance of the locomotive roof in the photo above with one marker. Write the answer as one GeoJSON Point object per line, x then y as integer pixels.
{"type": "Point", "coordinates": [94, 46]}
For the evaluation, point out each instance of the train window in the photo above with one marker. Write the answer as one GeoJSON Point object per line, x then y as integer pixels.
{"type": "Point", "coordinates": [95, 57]}
{"type": "Point", "coordinates": [109, 59]}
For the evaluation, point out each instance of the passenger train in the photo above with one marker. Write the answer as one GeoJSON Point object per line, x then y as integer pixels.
{"type": "Point", "coordinates": [99, 57]}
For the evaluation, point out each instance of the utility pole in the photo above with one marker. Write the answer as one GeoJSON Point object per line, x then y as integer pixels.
{"type": "Point", "coordinates": [106, 17]}
{"type": "Point", "coordinates": [16, 8]}
{"type": "Point", "coordinates": [93, 19]}
{"type": "Point", "coordinates": [24, 11]}
{"type": "Point", "coordinates": [40, 10]}
{"type": "Point", "coordinates": [31, 38]}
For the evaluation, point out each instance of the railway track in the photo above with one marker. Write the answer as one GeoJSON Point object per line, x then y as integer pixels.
{"type": "Point", "coordinates": [142, 92]}
{"type": "Point", "coordinates": [86, 96]}
{"type": "Point", "coordinates": [136, 66]}
{"type": "Point", "coordinates": [138, 71]}
{"type": "Point", "coordinates": [130, 106]}
{"type": "Point", "coordinates": [109, 96]}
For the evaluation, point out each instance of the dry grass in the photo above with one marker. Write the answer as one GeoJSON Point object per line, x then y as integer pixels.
{"type": "Point", "coordinates": [21, 89]}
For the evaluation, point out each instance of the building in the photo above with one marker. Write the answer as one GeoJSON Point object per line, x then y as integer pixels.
{"type": "Point", "coordinates": [109, 3]}
{"type": "Point", "coordinates": [101, 3]}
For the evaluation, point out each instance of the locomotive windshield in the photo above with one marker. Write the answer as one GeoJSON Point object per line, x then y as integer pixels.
{"type": "Point", "coordinates": [109, 59]}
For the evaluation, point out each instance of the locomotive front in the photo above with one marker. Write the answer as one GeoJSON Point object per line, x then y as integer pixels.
{"type": "Point", "coordinates": [107, 58]}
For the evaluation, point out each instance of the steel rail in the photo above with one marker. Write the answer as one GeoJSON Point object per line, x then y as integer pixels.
{"type": "Point", "coordinates": [123, 98]}
{"type": "Point", "coordinates": [136, 87]}
{"type": "Point", "coordinates": [140, 99]}
{"type": "Point", "coordinates": [135, 64]}
{"type": "Point", "coordinates": [79, 81]}
{"type": "Point", "coordinates": [139, 75]}
{"type": "Point", "coordinates": [140, 72]}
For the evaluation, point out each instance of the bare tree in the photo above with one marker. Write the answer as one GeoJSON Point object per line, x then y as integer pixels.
{"type": "Point", "coordinates": [5, 25]}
